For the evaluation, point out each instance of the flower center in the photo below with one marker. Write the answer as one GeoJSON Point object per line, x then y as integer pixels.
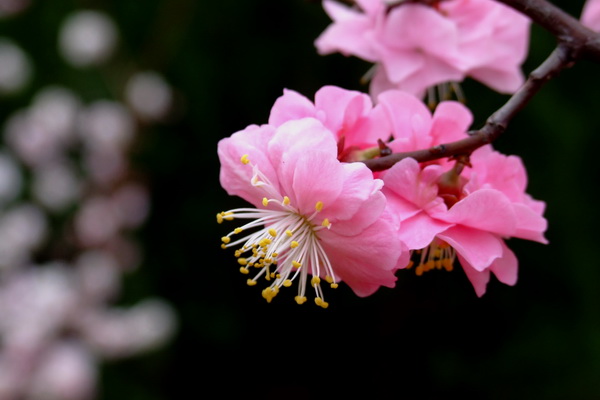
{"type": "Point", "coordinates": [437, 255]}
{"type": "Point", "coordinates": [281, 244]}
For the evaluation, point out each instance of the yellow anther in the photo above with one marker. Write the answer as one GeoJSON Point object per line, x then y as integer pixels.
{"type": "Point", "coordinates": [244, 270]}
{"type": "Point", "coordinates": [321, 303]}
{"type": "Point", "coordinates": [447, 264]}
{"type": "Point", "coordinates": [272, 274]}
{"type": "Point", "coordinates": [326, 223]}
{"type": "Point", "coordinates": [226, 239]}
{"type": "Point", "coordinates": [315, 281]}
{"type": "Point", "coordinates": [269, 293]}
{"type": "Point", "coordinates": [410, 264]}
{"type": "Point", "coordinates": [334, 285]}
{"type": "Point", "coordinates": [289, 233]}
{"type": "Point", "coordinates": [296, 264]}
{"type": "Point", "coordinates": [419, 270]}
{"type": "Point", "coordinates": [237, 230]}
{"type": "Point", "coordinates": [251, 282]}
{"type": "Point", "coordinates": [244, 159]}
{"type": "Point", "coordinates": [219, 218]}
{"type": "Point", "coordinates": [319, 206]}
{"type": "Point", "coordinates": [287, 283]}
{"type": "Point", "coordinates": [265, 201]}
{"type": "Point", "coordinates": [329, 279]}
{"type": "Point", "coordinates": [286, 200]}
{"type": "Point", "coordinates": [242, 261]}
{"type": "Point", "coordinates": [300, 299]}
{"type": "Point", "coordinates": [223, 246]}
{"type": "Point", "coordinates": [264, 242]}
{"type": "Point", "coordinates": [237, 253]}
{"type": "Point", "coordinates": [294, 244]}
{"type": "Point", "coordinates": [272, 232]}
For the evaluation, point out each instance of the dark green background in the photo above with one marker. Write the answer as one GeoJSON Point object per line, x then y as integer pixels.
{"type": "Point", "coordinates": [430, 337]}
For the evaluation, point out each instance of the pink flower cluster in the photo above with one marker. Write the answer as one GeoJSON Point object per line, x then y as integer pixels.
{"type": "Point", "coordinates": [416, 46]}
{"type": "Point", "coordinates": [319, 215]}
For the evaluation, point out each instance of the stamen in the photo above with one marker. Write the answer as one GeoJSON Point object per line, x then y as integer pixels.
{"type": "Point", "coordinates": [438, 255]}
{"type": "Point", "coordinates": [280, 259]}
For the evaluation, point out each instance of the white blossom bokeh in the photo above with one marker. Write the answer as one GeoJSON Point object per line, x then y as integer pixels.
{"type": "Point", "coordinates": [70, 207]}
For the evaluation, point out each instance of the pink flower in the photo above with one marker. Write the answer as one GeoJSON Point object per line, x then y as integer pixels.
{"type": "Point", "coordinates": [451, 209]}
{"type": "Point", "coordinates": [417, 46]}
{"type": "Point", "coordinates": [414, 127]}
{"type": "Point", "coordinates": [350, 115]}
{"type": "Point", "coordinates": [473, 229]}
{"type": "Point", "coordinates": [314, 216]}
{"type": "Point", "coordinates": [590, 14]}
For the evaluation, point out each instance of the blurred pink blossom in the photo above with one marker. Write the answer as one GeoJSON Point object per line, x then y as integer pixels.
{"type": "Point", "coordinates": [590, 14]}
{"type": "Point", "coordinates": [417, 46]}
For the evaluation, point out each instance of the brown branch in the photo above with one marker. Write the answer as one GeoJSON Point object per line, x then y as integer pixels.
{"type": "Point", "coordinates": [575, 41]}
{"type": "Point", "coordinates": [566, 28]}
{"type": "Point", "coordinates": [496, 124]}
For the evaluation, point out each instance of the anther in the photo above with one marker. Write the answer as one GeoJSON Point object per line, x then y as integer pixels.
{"type": "Point", "coordinates": [319, 206]}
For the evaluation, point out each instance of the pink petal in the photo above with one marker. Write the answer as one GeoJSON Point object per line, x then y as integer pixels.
{"type": "Point", "coordinates": [407, 181]}
{"type": "Point", "coordinates": [502, 81]}
{"type": "Point", "coordinates": [348, 34]}
{"type": "Point", "coordinates": [421, 28]}
{"type": "Point", "coordinates": [343, 108]}
{"type": "Point", "coordinates": [234, 176]}
{"type": "Point", "coordinates": [590, 14]}
{"type": "Point", "coordinates": [436, 72]}
{"type": "Point", "coordinates": [418, 232]}
{"type": "Point", "coordinates": [479, 279]}
{"type": "Point", "coordinates": [360, 202]}
{"type": "Point", "coordinates": [530, 225]}
{"type": "Point", "coordinates": [291, 105]}
{"type": "Point", "coordinates": [409, 117]}
{"type": "Point", "coordinates": [367, 261]}
{"type": "Point", "coordinates": [486, 210]}
{"type": "Point", "coordinates": [506, 267]}
{"type": "Point", "coordinates": [300, 151]}
{"type": "Point", "coordinates": [477, 247]}
{"type": "Point", "coordinates": [451, 120]}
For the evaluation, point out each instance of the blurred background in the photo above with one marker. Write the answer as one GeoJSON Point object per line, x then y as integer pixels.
{"type": "Point", "coordinates": [113, 284]}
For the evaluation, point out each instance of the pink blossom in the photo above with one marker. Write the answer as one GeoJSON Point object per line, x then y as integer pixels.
{"type": "Point", "coordinates": [315, 215]}
{"type": "Point", "coordinates": [418, 46]}
{"type": "Point", "coordinates": [451, 209]}
{"type": "Point", "coordinates": [350, 115]}
{"type": "Point", "coordinates": [474, 228]}
{"type": "Point", "coordinates": [414, 127]}
{"type": "Point", "coordinates": [590, 14]}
